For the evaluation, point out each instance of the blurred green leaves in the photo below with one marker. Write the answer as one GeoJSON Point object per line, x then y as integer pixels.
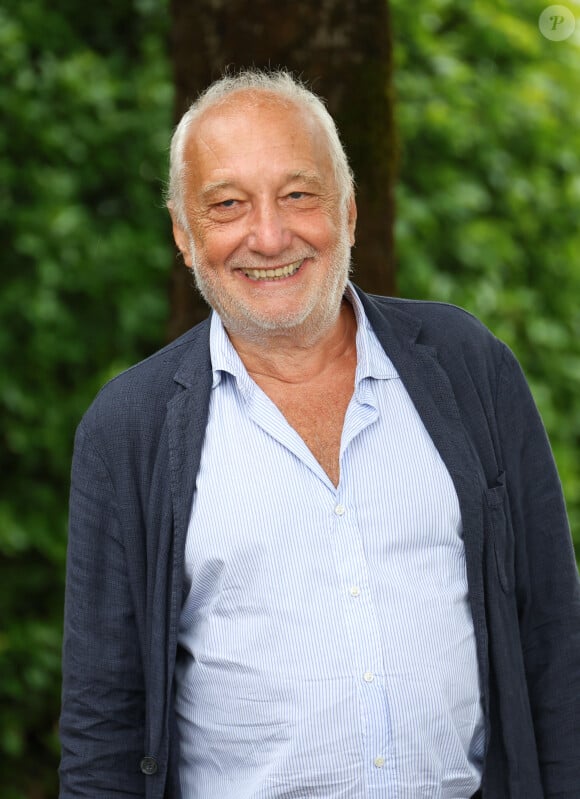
{"type": "Point", "coordinates": [85, 99]}
{"type": "Point", "coordinates": [488, 197]}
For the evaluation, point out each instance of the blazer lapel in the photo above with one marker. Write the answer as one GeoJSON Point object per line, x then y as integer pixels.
{"type": "Point", "coordinates": [187, 416]}
{"type": "Point", "coordinates": [432, 394]}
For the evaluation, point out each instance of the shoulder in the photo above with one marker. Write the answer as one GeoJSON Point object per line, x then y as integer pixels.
{"type": "Point", "coordinates": [467, 350]}
{"type": "Point", "coordinates": [438, 321]}
{"type": "Point", "coordinates": [140, 394]}
{"type": "Point", "coordinates": [437, 324]}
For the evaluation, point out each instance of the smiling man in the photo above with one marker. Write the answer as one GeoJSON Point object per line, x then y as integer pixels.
{"type": "Point", "coordinates": [263, 222]}
{"type": "Point", "coordinates": [318, 546]}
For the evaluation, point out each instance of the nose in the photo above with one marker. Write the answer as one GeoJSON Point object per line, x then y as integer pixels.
{"type": "Point", "coordinates": [269, 232]}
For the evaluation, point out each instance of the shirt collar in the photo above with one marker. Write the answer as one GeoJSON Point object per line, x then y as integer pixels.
{"type": "Point", "coordinates": [372, 360]}
{"type": "Point", "coordinates": [224, 358]}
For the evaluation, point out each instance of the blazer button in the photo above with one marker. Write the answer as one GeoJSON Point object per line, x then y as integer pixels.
{"type": "Point", "coordinates": [149, 765]}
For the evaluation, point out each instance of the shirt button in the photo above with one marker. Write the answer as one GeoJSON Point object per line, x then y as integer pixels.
{"type": "Point", "coordinates": [355, 590]}
{"type": "Point", "coordinates": [148, 766]}
{"type": "Point", "coordinates": [340, 510]}
{"type": "Point", "coordinates": [379, 762]}
{"type": "Point", "coordinates": [368, 676]}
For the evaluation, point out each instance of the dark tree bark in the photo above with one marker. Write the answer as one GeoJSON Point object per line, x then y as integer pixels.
{"type": "Point", "coordinates": [342, 49]}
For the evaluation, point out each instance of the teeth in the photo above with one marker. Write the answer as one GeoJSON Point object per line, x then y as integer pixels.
{"type": "Point", "coordinates": [273, 274]}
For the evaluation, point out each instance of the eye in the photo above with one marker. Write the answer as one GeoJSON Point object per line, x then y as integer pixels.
{"type": "Point", "coordinates": [297, 195]}
{"type": "Point", "coordinates": [226, 210]}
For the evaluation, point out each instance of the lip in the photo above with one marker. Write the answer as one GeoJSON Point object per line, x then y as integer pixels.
{"type": "Point", "coordinates": [267, 280]}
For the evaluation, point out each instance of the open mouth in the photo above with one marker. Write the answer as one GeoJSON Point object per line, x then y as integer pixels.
{"type": "Point", "coordinates": [274, 274]}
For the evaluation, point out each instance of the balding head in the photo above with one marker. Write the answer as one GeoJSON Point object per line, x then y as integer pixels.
{"type": "Point", "coordinates": [284, 89]}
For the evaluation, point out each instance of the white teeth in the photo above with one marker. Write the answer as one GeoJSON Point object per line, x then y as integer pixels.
{"type": "Point", "coordinates": [273, 274]}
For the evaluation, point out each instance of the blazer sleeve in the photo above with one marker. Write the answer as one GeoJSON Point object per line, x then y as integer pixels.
{"type": "Point", "coordinates": [547, 583]}
{"type": "Point", "coordinates": [102, 719]}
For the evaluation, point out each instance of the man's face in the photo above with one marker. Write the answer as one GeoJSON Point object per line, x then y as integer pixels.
{"type": "Point", "coordinates": [268, 240]}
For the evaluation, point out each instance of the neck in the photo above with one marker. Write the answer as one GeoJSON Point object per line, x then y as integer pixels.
{"type": "Point", "coordinates": [291, 359]}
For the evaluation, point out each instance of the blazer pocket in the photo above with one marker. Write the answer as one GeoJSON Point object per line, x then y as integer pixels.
{"type": "Point", "coordinates": [501, 533]}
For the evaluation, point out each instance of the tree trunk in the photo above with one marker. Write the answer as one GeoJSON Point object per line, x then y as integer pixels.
{"type": "Point", "coordinates": [342, 49]}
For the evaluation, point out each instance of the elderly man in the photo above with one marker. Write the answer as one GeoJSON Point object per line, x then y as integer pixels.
{"type": "Point", "coordinates": [318, 546]}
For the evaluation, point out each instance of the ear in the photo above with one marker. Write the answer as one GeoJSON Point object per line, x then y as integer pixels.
{"type": "Point", "coordinates": [180, 236]}
{"type": "Point", "coordinates": [351, 219]}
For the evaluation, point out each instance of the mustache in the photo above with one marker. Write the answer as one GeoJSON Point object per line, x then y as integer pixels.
{"type": "Point", "coordinates": [262, 262]}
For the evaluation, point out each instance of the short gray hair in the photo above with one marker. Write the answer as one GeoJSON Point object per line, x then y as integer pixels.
{"type": "Point", "coordinates": [286, 87]}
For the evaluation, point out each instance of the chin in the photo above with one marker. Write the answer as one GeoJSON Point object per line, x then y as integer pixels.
{"type": "Point", "coordinates": [316, 316]}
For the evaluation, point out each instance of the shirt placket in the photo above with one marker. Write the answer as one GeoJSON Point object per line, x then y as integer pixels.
{"type": "Point", "coordinates": [360, 615]}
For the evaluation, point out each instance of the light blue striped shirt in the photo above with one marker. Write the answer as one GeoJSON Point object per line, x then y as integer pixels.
{"type": "Point", "coordinates": [326, 642]}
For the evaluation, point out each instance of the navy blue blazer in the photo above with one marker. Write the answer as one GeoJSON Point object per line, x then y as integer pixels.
{"type": "Point", "coordinates": [137, 453]}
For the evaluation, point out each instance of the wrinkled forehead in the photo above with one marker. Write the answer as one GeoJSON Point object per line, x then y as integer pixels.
{"type": "Point", "coordinates": [250, 121]}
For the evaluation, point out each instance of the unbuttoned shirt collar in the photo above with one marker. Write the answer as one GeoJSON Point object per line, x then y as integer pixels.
{"type": "Point", "coordinates": [372, 361]}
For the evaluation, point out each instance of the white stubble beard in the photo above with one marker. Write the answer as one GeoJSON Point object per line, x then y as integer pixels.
{"type": "Point", "coordinates": [307, 325]}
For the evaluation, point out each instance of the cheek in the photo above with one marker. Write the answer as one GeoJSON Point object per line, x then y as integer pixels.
{"type": "Point", "coordinates": [217, 244]}
{"type": "Point", "coordinates": [329, 236]}
{"type": "Point", "coordinates": [316, 230]}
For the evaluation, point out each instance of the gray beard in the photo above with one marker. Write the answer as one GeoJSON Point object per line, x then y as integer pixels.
{"type": "Point", "coordinates": [309, 326]}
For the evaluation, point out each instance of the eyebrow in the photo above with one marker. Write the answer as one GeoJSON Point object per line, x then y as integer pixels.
{"type": "Point", "coordinates": [211, 189]}
{"type": "Point", "coordinates": [307, 177]}
{"type": "Point", "coordinates": [310, 178]}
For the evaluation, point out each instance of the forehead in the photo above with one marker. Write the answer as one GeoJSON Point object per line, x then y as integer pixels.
{"type": "Point", "coordinates": [255, 135]}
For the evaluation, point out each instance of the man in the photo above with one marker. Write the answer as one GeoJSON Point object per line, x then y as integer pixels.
{"type": "Point", "coordinates": [318, 546]}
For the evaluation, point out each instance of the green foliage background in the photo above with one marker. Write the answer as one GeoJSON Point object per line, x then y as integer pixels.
{"type": "Point", "coordinates": [488, 210]}
{"type": "Point", "coordinates": [85, 102]}
{"type": "Point", "coordinates": [489, 195]}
